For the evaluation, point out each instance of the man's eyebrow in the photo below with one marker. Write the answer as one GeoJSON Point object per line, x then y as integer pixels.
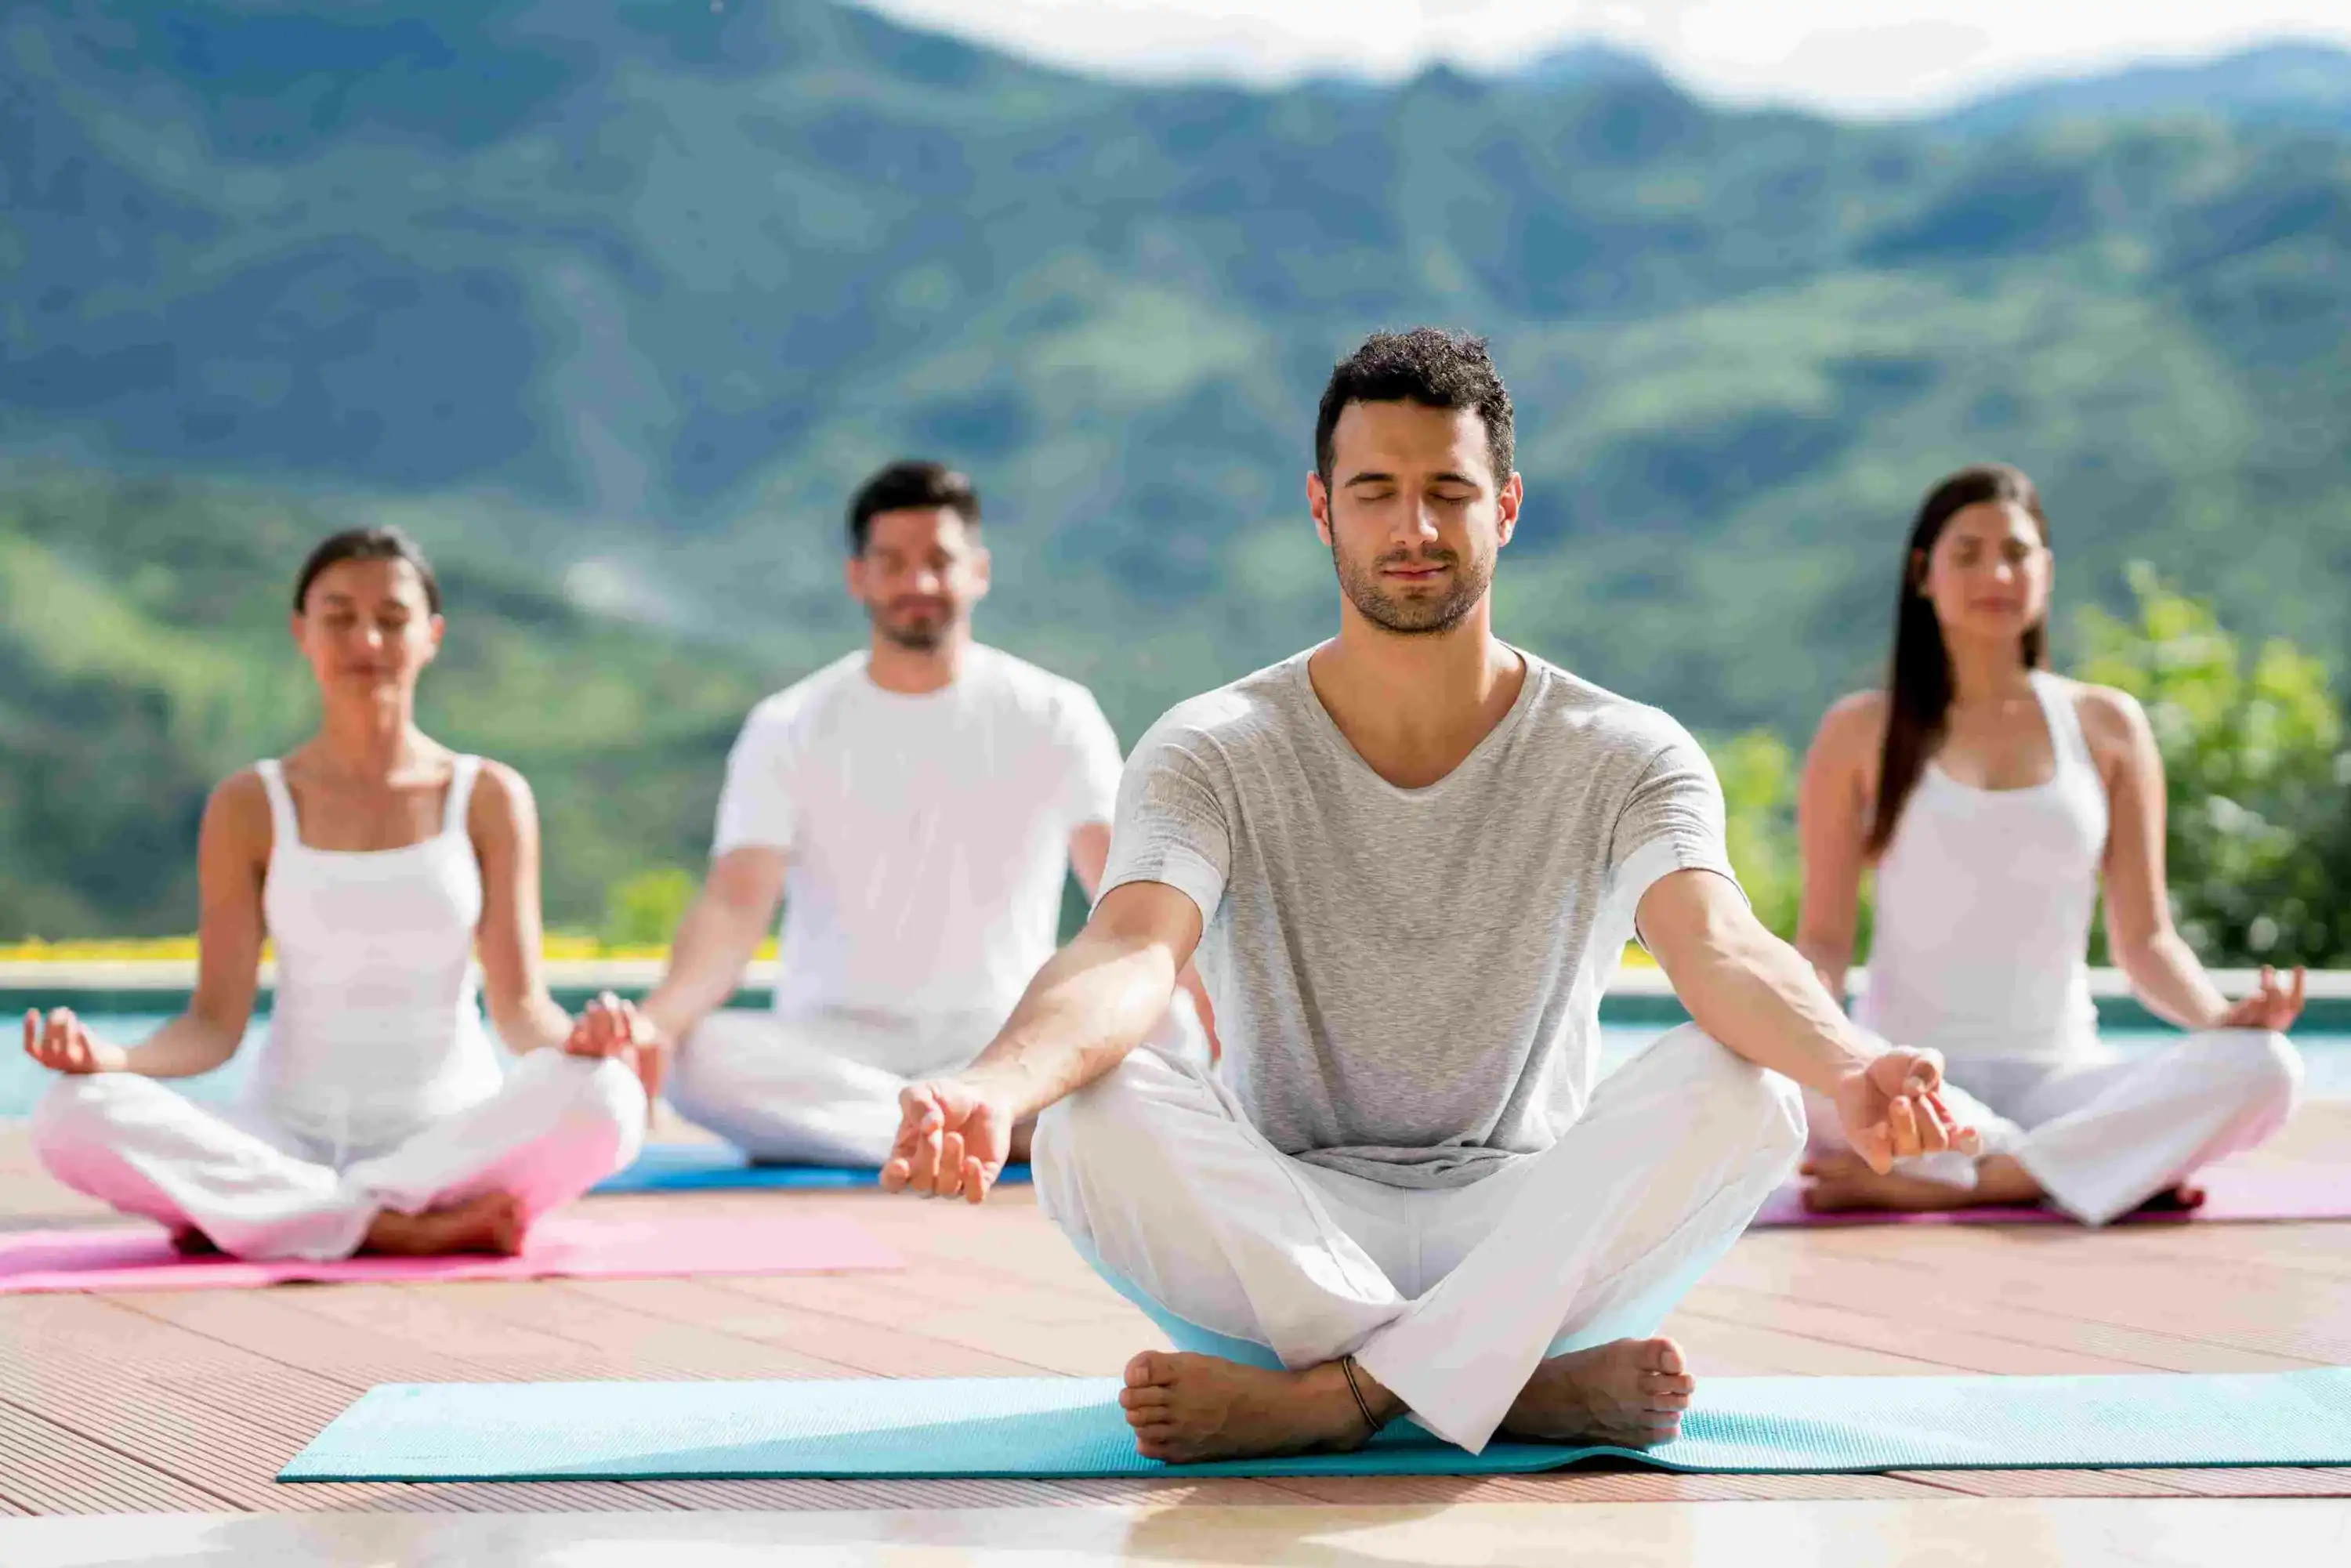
{"type": "Point", "coordinates": [1368, 477]}
{"type": "Point", "coordinates": [1451, 477]}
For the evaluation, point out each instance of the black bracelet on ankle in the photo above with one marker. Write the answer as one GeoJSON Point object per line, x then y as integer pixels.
{"type": "Point", "coordinates": [1347, 1365]}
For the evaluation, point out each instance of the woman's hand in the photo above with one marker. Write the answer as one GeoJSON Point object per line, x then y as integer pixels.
{"type": "Point", "coordinates": [613, 1026]}
{"type": "Point", "coordinates": [2272, 1008]}
{"type": "Point", "coordinates": [59, 1043]}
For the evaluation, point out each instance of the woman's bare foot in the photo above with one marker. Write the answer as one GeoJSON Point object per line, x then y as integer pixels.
{"type": "Point", "coordinates": [1629, 1393]}
{"type": "Point", "coordinates": [493, 1222]}
{"type": "Point", "coordinates": [1185, 1408]}
{"type": "Point", "coordinates": [1840, 1180]}
{"type": "Point", "coordinates": [194, 1243]}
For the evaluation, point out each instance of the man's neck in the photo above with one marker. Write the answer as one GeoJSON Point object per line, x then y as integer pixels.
{"type": "Point", "coordinates": [1415, 705]}
{"type": "Point", "coordinates": [916, 671]}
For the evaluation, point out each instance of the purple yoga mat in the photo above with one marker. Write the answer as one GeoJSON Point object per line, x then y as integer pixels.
{"type": "Point", "coordinates": [581, 1246]}
{"type": "Point", "coordinates": [2232, 1193]}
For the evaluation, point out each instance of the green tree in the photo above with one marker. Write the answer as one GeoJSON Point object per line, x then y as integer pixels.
{"type": "Point", "coordinates": [1759, 793]}
{"type": "Point", "coordinates": [2259, 861]}
{"type": "Point", "coordinates": [643, 910]}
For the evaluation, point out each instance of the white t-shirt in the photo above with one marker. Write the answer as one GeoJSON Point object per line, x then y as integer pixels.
{"type": "Point", "coordinates": [928, 835]}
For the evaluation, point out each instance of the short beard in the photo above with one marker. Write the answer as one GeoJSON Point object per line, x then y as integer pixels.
{"type": "Point", "coordinates": [1414, 617]}
{"type": "Point", "coordinates": [915, 638]}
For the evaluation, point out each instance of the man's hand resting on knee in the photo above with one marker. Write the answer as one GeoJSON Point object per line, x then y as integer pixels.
{"type": "Point", "coordinates": [1892, 1108]}
{"type": "Point", "coordinates": [1091, 1004]}
{"type": "Point", "coordinates": [953, 1137]}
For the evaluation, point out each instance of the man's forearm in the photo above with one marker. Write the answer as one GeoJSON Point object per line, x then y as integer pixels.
{"type": "Point", "coordinates": [714, 942]}
{"type": "Point", "coordinates": [1764, 1000]}
{"type": "Point", "coordinates": [1091, 1004]}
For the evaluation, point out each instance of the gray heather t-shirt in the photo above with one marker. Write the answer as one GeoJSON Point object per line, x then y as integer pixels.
{"type": "Point", "coordinates": [1407, 981]}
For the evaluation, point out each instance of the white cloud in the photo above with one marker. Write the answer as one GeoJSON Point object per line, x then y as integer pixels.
{"type": "Point", "coordinates": [1849, 56]}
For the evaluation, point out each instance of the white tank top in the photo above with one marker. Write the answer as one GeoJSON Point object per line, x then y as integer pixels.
{"type": "Point", "coordinates": [1984, 898]}
{"type": "Point", "coordinates": [376, 1030]}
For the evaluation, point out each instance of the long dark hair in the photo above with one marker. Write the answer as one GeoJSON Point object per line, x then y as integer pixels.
{"type": "Point", "coordinates": [1918, 682]}
{"type": "Point", "coordinates": [382, 542]}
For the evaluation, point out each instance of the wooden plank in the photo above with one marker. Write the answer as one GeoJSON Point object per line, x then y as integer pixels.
{"type": "Point", "coordinates": [744, 1306]}
{"type": "Point", "coordinates": [1976, 1295]}
{"type": "Point", "coordinates": [1946, 1344]}
{"type": "Point", "coordinates": [656, 1345]}
{"type": "Point", "coordinates": [269, 1323]}
{"type": "Point", "coordinates": [2046, 1483]}
{"type": "Point", "coordinates": [48, 1468]}
{"type": "Point", "coordinates": [2255, 1482]}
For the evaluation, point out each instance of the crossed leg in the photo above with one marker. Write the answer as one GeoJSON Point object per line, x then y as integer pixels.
{"type": "Point", "coordinates": [1555, 1271]}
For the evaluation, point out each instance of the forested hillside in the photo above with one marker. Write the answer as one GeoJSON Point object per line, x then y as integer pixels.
{"type": "Point", "coordinates": [617, 297]}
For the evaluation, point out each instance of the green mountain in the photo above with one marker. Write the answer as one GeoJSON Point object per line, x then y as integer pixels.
{"type": "Point", "coordinates": [621, 295]}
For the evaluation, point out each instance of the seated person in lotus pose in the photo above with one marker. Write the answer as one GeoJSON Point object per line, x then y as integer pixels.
{"type": "Point", "coordinates": [379, 862]}
{"type": "Point", "coordinates": [923, 800]}
{"type": "Point", "coordinates": [1408, 860]}
{"type": "Point", "coordinates": [1993, 798]}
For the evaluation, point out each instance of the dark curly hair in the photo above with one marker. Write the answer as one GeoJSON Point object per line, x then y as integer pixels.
{"type": "Point", "coordinates": [1432, 367]}
{"type": "Point", "coordinates": [908, 485]}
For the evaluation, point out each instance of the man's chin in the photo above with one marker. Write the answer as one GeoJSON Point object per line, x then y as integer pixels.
{"type": "Point", "coordinates": [913, 639]}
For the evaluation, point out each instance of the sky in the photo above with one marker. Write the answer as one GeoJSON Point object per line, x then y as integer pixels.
{"type": "Point", "coordinates": [1866, 58]}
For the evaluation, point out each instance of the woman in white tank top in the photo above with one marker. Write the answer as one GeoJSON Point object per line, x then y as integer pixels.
{"type": "Point", "coordinates": [379, 863]}
{"type": "Point", "coordinates": [1994, 800]}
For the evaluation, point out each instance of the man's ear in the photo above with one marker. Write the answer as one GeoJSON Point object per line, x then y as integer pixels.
{"type": "Point", "coordinates": [1507, 502]}
{"type": "Point", "coordinates": [1318, 505]}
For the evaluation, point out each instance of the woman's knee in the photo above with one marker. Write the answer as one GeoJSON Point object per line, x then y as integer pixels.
{"type": "Point", "coordinates": [74, 1110]}
{"type": "Point", "coordinates": [590, 1091]}
{"type": "Point", "coordinates": [2260, 1067]}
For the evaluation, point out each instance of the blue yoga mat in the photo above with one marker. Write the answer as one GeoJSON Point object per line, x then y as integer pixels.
{"type": "Point", "coordinates": [1073, 1426]}
{"type": "Point", "coordinates": [706, 1167]}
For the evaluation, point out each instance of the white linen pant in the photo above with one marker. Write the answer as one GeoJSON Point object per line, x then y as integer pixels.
{"type": "Point", "coordinates": [2103, 1136]}
{"type": "Point", "coordinates": [1449, 1297]}
{"type": "Point", "coordinates": [259, 1190]}
{"type": "Point", "coordinates": [821, 1089]}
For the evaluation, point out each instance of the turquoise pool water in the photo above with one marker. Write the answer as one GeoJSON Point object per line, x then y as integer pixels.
{"type": "Point", "coordinates": [2325, 1056]}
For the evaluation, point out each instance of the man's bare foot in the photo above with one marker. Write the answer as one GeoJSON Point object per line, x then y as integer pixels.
{"type": "Point", "coordinates": [493, 1222]}
{"type": "Point", "coordinates": [1630, 1393]}
{"type": "Point", "coordinates": [1840, 1181]}
{"type": "Point", "coordinates": [194, 1243]}
{"type": "Point", "coordinates": [1185, 1408]}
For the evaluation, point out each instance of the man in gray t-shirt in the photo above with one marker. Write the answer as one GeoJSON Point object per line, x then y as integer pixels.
{"type": "Point", "coordinates": [1407, 861]}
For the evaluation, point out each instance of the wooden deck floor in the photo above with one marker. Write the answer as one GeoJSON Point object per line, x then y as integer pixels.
{"type": "Point", "coordinates": [191, 1401]}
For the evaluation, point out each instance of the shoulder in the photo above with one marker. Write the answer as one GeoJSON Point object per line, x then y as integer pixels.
{"type": "Point", "coordinates": [1030, 689]}
{"type": "Point", "coordinates": [501, 796]}
{"type": "Point", "coordinates": [1256, 710]}
{"type": "Point", "coordinates": [2113, 725]}
{"type": "Point", "coordinates": [781, 713]}
{"type": "Point", "coordinates": [1854, 727]}
{"type": "Point", "coordinates": [239, 805]}
{"type": "Point", "coordinates": [1568, 709]}
{"type": "Point", "coordinates": [2108, 713]}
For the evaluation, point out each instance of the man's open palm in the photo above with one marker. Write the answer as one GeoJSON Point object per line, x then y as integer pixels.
{"type": "Point", "coordinates": [953, 1141]}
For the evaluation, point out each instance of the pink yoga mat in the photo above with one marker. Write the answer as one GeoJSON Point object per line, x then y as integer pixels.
{"type": "Point", "coordinates": [2253, 1192]}
{"type": "Point", "coordinates": [581, 1246]}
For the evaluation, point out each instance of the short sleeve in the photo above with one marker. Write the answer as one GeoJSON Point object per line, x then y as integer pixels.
{"type": "Point", "coordinates": [1089, 759]}
{"type": "Point", "coordinates": [1672, 820]}
{"type": "Point", "coordinates": [756, 805]}
{"type": "Point", "coordinates": [1170, 825]}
